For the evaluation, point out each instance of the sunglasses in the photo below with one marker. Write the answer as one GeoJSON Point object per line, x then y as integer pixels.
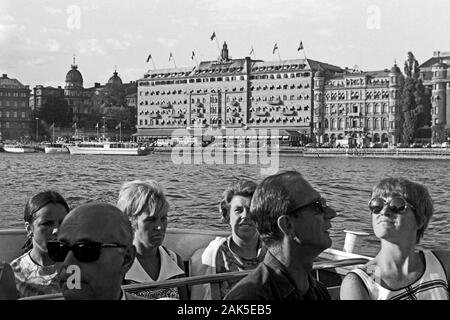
{"type": "Point", "coordinates": [319, 206]}
{"type": "Point", "coordinates": [83, 251]}
{"type": "Point", "coordinates": [396, 205]}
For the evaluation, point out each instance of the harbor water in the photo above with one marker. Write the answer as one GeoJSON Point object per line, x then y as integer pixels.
{"type": "Point", "coordinates": [194, 190]}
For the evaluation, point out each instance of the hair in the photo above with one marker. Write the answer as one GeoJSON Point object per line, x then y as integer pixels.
{"type": "Point", "coordinates": [244, 188]}
{"type": "Point", "coordinates": [272, 199]}
{"type": "Point", "coordinates": [135, 196]}
{"type": "Point", "coordinates": [36, 203]}
{"type": "Point", "coordinates": [415, 193]}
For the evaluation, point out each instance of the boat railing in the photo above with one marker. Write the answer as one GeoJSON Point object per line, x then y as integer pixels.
{"type": "Point", "coordinates": [196, 280]}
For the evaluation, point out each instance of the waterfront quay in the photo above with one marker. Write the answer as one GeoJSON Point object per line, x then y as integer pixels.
{"type": "Point", "coordinates": [400, 153]}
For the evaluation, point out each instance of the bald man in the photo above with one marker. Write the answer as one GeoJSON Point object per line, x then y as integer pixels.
{"type": "Point", "coordinates": [94, 251]}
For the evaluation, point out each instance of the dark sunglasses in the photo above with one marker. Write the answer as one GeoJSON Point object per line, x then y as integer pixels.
{"type": "Point", "coordinates": [396, 205]}
{"type": "Point", "coordinates": [319, 206]}
{"type": "Point", "coordinates": [83, 251]}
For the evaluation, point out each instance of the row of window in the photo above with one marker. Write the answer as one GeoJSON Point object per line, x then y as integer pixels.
{"type": "Point", "coordinates": [12, 94]}
{"type": "Point", "coordinates": [13, 114]}
{"type": "Point", "coordinates": [7, 103]}
{"type": "Point", "coordinates": [280, 76]}
{"type": "Point", "coordinates": [372, 123]}
{"type": "Point", "coordinates": [13, 125]}
{"type": "Point", "coordinates": [375, 109]}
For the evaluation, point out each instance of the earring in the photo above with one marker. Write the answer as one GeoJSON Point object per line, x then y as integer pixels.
{"type": "Point", "coordinates": [297, 239]}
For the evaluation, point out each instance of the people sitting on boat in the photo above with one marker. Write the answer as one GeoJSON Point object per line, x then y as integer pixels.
{"type": "Point", "coordinates": [145, 203]}
{"type": "Point", "coordinates": [400, 210]}
{"type": "Point", "coordinates": [8, 289]}
{"type": "Point", "coordinates": [242, 250]}
{"type": "Point", "coordinates": [94, 251]}
{"type": "Point", "coordinates": [293, 220]}
{"type": "Point", "coordinates": [35, 272]}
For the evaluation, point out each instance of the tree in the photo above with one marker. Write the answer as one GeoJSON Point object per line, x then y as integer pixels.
{"type": "Point", "coordinates": [55, 110]}
{"type": "Point", "coordinates": [416, 102]}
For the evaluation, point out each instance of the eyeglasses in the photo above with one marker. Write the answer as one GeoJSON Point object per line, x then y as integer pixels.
{"type": "Point", "coordinates": [83, 251]}
{"type": "Point", "coordinates": [397, 205]}
{"type": "Point", "coordinates": [318, 205]}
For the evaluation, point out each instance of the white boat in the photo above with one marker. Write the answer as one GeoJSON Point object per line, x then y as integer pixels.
{"type": "Point", "coordinates": [109, 148]}
{"type": "Point", "coordinates": [56, 148]}
{"type": "Point", "coordinates": [330, 267]}
{"type": "Point", "coordinates": [18, 148]}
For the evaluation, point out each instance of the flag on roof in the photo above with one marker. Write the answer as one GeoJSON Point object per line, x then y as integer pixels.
{"type": "Point", "coordinates": [300, 47]}
{"type": "Point", "coordinates": [119, 125]}
{"type": "Point", "coordinates": [52, 126]}
{"type": "Point", "coordinates": [193, 55]}
{"type": "Point", "coordinates": [275, 47]}
{"type": "Point", "coordinates": [149, 57]}
{"type": "Point", "coordinates": [213, 35]}
{"type": "Point", "coordinates": [252, 51]}
{"type": "Point", "coordinates": [171, 56]}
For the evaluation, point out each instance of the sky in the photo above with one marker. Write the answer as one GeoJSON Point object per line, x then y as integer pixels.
{"type": "Point", "coordinates": [39, 38]}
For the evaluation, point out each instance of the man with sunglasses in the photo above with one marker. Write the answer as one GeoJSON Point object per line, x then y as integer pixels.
{"type": "Point", "coordinates": [93, 252]}
{"type": "Point", "coordinates": [293, 220]}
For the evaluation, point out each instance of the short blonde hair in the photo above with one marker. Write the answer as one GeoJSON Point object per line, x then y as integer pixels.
{"type": "Point", "coordinates": [135, 196]}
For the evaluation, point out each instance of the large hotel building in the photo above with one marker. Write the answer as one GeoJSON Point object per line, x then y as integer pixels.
{"type": "Point", "coordinates": [303, 98]}
{"type": "Point", "coordinates": [230, 93]}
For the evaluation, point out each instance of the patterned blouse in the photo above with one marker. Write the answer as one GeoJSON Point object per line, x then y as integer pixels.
{"type": "Point", "coordinates": [33, 279]}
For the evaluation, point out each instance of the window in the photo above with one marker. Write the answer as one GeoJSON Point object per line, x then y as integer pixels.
{"type": "Point", "coordinates": [15, 114]}
{"type": "Point", "coordinates": [7, 114]}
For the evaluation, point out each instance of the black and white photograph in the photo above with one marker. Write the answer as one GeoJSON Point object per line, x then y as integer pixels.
{"type": "Point", "coordinates": [224, 154]}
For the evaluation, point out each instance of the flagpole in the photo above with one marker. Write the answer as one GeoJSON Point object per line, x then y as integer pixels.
{"type": "Point", "coordinates": [53, 135]}
{"type": "Point", "coordinates": [279, 57]}
{"type": "Point", "coordinates": [120, 132]}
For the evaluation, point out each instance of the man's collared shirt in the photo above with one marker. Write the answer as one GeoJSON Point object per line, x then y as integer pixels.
{"type": "Point", "coordinates": [271, 281]}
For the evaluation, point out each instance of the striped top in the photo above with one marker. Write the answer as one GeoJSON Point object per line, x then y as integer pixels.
{"type": "Point", "coordinates": [432, 285]}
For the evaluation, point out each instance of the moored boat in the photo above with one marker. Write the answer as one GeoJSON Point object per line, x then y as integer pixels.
{"type": "Point", "coordinates": [109, 148]}
{"type": "Point", "coordinates": [18, 148]}
{"type": "Point", "coordinates": [56, 148]}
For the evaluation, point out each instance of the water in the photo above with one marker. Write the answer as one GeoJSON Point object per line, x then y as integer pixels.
{"type": "Point", "coordinates": [194, 190]}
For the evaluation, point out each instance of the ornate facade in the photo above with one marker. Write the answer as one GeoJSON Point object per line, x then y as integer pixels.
{"type": "Point", "coordinates": [354, 108]}
{"type": "Point", "coordinates": [15, 113]}
{"type": "Point", "coordinates": [435, 74]}
{"type": "Point", "coordinates": [229, 93]}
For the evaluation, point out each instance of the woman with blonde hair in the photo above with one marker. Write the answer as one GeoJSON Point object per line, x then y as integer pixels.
{"type": "Point", "coordinates": [147, 208]}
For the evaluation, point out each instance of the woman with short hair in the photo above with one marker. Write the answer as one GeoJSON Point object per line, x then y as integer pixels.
{"type": "Point", "coordinates": [147, 208]}
{"type": "Point", "coordinates": [242, 250]}
{"type": "Point", "coordinates": [400, 210]}
{"type": "Point", "coordinates": [34, 271]}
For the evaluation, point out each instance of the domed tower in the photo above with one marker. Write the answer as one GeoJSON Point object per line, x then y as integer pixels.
{"type": "Point", "coordinates": [115, 91]}
{"type": "Point", "coordinates": [115, 82]}
{"type": "Point", "coordinates": [224, 54]}
{"type": "Point", "coordinates": [440, 111]}
{"type": "Point", "coordinates": [394, 103]}
{"type": "Point", "coordinates": [319, 105]}
{"type": "Point", "coordinates": [74, 82]}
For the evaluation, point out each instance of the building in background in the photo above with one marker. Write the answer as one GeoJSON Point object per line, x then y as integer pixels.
{"type": "Point", "coordinates": [15, 113]}
{"type": "Point", "coordinates": [355, 108]}
{"type": "Point", "coordinates": [230, 93]}
{"type": "Point", "coordinates": [435, 75]}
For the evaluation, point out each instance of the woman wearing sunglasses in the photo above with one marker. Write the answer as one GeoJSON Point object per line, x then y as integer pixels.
{"type": "Point", "coordinates": [401, 211]}
{"type": "Point", "coordinates": [147, 208]}
{"type": "Point", "coordinates": [34, 271]}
